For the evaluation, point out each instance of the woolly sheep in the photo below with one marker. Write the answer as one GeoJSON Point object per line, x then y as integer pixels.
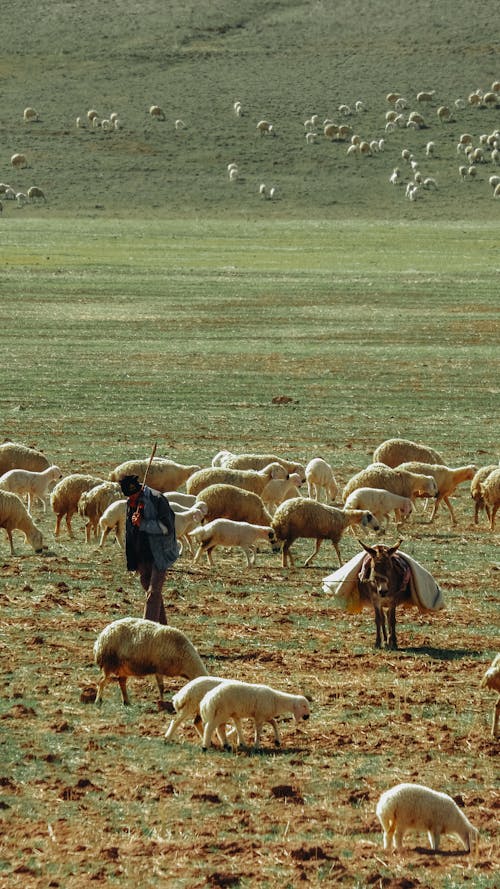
{"type": "Point", "coordinates": [395, 177]}
{"type": "Point", "coordinates": [279, 489]}
{"type": "Point", "coordinates": [303, 517]}
{"type": "Point", "coordinates": [113, 519]}
{"type": "Point", "coordinates": [430, 148]}
{"type": "Point", "coordinates": [402, 482]}
{"type": "Point", "coordinates": [264, 127]}
{"type": "Point", "coordinates": [426, 95]}
{"type": "Point", "coordinates": [178, 497]}
{"type": "Point", "coordinates": [180, 125]}
{"type": "Point", "coordinates": [14, 516]}
{"type": "Point", "coordinates": [163, 475]}
{"type": "Point", "coordinates": [232, 700]}
{"type": "Point", "coordinates": [380, 503]}
{"type": "Point", "coordinates": [30, 115]}
{"type": "Point", "coordinates": [133, 646]}
{"type": "Point", "coordinates": [443, 113]}
{"type": "Point", "coordinates": [476, 489]}
{"type": "Point", "coordinates": [260, 461]}
{"type": "Point", "coordinates": [18, 160]}
{"type": "Point", "coordinates": [93, 502]}
{"type": "Point", "coordinates": [35, 192]}
{"type": "Point", "coordinates": [491, 495]}
{"type": "Point", "coordinates": [496, 192]}
{"type": "Point", "coordinates": [18, 456]}
{"type": "Point", "coordinates": [229, 533]}
{"type": "Point", "coordinates": [35, 485]}
{"type": "Point", "coordinates": [186, 520]}
{"type": "Point", "coordinates": [320, 479]}
{"type": "Point", "coordinates": [414, 806]}
{"type": "Point", "coordinates": [21, 198]}
{"type": "Point", "coordinates": [248, 479]}
{"type": "Point", "coordinates": [65, 496]}
{"type": "Point", "coordinates": [491, 679]}
{"type": "Point", "coordinates": [229, 502]}
{"type": "Point", "coordinates": [92, 115]}
{"type": "Point", "coordinates": [447, 480]}
{"type": "Point", "coordinates": [220, 456]}
{"type": "Point", "coordinates": [400, 450]}
{"type": "Point", "coordinates": [331, 131]}
{"type": "Point", "coordinates": [187, 700]}
{"type": "Point", "coordinates": [156, 112]}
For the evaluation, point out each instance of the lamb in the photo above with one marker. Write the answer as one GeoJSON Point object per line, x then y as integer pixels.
{"type": "Point", "coordinates": [398, 480]}
{"type": "Point", "coordinates": [303, 517]}
{"type": "Point", "coordinates": [35, 485]}
{"type": "Point", "coordinates": [157, 113]}
{"type": "Point", "coordinates": [18, 160]}
{"type": "Point", "coordinates": [447, 480]}
{"type": "Point", "coordinates": [279, 489]}
{"type": "Point", "coordinates": [163, 475]}
{"type": "Point", "coordinates": [491, 679]}
{"type": "Point", "coordinates": [133, 646]}
{"type": "Point", "coordinates": [17, 456]}
{"type": "Point", "coordinates": [30, 115]}
{"type": "Point", "coordinates": [186, 520]}
{"type": "Point", "coordinates": [226, 532]}
{"type": "Point", "coordinates": [232, 700]}
{"type": "Point", "coordinates": [248, 479]}
{"type": "Point", "coordinates": [320, 478]}
{"type": "Point", "coordinates": [380, 503]}
{"type": "Point", "coordinates": [265, 128]}
{"type": "Point", "coordinates": [476, 489]}
{"type": "Point", "coordinates": [407, 806]}
{"type": "Point", "coordinates": [260, 461]}
{"type": "Point", "coordinates": [65, 496]}
{"type": "Point", "coordinates": [93, 502]}
{"type": "Point", "coordinates": [400, 450]}
{"type": "Point", "coordinates": [113, 519]}
{"type": "Point", "coordinates": [187, 702]}
{"type": "Point", "coordinates": [229, 502]}
{"type": "Point", "coordinates": [14, 516]}
{"type": "Point", "coordinates": [491, 495]}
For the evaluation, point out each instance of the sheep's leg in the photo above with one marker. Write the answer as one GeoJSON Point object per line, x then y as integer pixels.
{"type": "Point", "coordinates": [177, 720]}
{"type": "Point", "coordinates": [257, 734]}
{"type": "Point", "coordinates": [209, 550]}
{"type": "Point", "coordinates": [393, 642]}
{"type": "Point", "coordinates": [450, 507]}
{"type": "Point", "coordinates": [434, 838]}
{"type": "Point", "coordinates": [11, 542]}
{"type": "Point", "coordinates": [57, 529]}
{"type": "Point", "coordinates": [277, 738]}
{"type": "Point", "coordinates": [286, 554]}
{"type": "Point", "coordinates": [88, 528]}
{"type": "Point", "coordinates": [388, 836]}
{"type": "Point", "coordinates": [496, 719]}
{"type": "Point", "coordinates": [250, 555]}
{"type": "Point", "coordinates": [208, 731]}
{"type": "Point", "coordinates": [308, 561]}
{"type": "Point", "coordinates": [103, 682]}
{"type": "Point", "coordinates": [103, 537]}
{"type": "Point", "coordinates": [398, 839]}
{"type": "Point", "coordinates": [160, 684]}
{"type": "Point", "coordinates": [28, 505]}
{"type": "Point", "coordinates": [122, 681]}
{"type": "Point", "coordinates": [69, 516]}
{"type": "Point", "coordinates": [492, 516]}
{"type": "Point", "coordinates": [339, 557]}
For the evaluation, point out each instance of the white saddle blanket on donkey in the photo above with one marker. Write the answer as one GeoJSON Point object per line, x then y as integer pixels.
{"type": "Point", "coordinates": [343, 585]}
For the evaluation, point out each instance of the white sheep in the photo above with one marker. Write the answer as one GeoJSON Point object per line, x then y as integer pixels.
{"type": "Point", "coordinates": [263, 194]}
{"type": "Point", "coordinates": [279, 489]}
{"type": "Point", "coordinates": [92, 115]}
{"type": "Point", "coordinates": [230, 533]}
{"type": "Point", "coordinates": [303, 517]}
{"type": "Point", "coordinates": [416, 807]}
{"type": "Point", "coordinates": [491, 495]}
{"type": "Point", "coordinates": [34, 485]}
{"type": "Point", "coordinates": [133, 646]}
{"type": "Point", "coordinates": [229, 502]}
{"type": "Point", "coordinates": [179, 498]}
{"type": "Point", "coordinates": [15, 517]}
{"type": "Point", "coordinates": [65, 496]}
{"type": "Point", "coordinates": [331, 131]}
{"type": "Point", "coordinates": [233, 174]}
{"type": "Point", "coordinates": [394, 451]}
{"type": "Point", "coordinates": [35, 192]}
{"type": "Point", "coordinates": [14, 455]}
{"type": "Point", "coordinates": [395, 177]}
{"type": "Point", "coordinates": [380, 503]}
{"type": "Point", "coordinates": [232, 701]}
{"type": "Point", "coordinates": [320, 479]}
{"type": "Point", "coordinates": [496, 191]}
{"type": "Point", "coordinates": [30, 115]}
{"type": "Point", "coordinates": [399, 481]}
{"type": "Point", "coordinates": [491, 679]}
{"type": "Point", "coordinates": [186, 520]}
{"type": "Point", "coordinates": [273, 192]}
{"type": "Point", "coordinates": [265, 128]}
{"type": "Point", "coordinates": [156, 112]}
{"type": "Point", "coordinates": [187, 700]}
{"type": "Point", "coordinates": [18, 160]}
{"type": "Point", "coordinates": [113, 519]}
{"type": "Point", "coordinates": [444, 113]}
{"type": "Point", "coordinates": [93, 502]}
{"type": "Point", "coordinates": [21, 198]}
{"type": "Point", "coordinates": [260, 461]}
{"type": "Point", "coordinates": [180, 125]}
{"type": "Point", "coordinates": [430, 148]}
{"type": "Point", "coordinates": [249, 479]}
{"type": "Point", "coordinates": [220, 456]}
{"type": "Point", "coordinates": [426, 95]}
{"type": "Point", "coordinates": [447, 480]}
{"type": "Point", "coordinates": [163, 475]}
{"type": "Point", "coordinates": [476, 489]}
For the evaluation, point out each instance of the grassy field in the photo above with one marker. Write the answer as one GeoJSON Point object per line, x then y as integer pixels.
{"type": "Point", "coordinates": [150, 299]}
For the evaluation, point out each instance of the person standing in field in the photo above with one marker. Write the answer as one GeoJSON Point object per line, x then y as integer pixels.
{"type": "Point", "coordinates": [151, 546]}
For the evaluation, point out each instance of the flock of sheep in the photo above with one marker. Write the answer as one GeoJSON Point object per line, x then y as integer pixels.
{"type": "Point", "coordinates": [242, 500]}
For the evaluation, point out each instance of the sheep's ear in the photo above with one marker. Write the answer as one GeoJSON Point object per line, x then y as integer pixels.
{"type": "Point", "coordinates": [368, 549]}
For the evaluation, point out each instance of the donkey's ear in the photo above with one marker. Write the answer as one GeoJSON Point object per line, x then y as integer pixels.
{"type": "Point", "coordinates": [368, 549]}
{"type": "Point", "coordinates": [392, 549]}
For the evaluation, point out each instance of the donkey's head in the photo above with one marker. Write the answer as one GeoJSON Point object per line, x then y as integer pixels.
{"type": "Point", "coordinates": [380, 569]}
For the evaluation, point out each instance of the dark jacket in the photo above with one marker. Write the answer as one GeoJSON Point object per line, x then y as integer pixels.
{"type": "Point", "coordinates": [154, 540]}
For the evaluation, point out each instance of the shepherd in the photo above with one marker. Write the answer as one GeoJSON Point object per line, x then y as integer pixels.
{"type": "Point", "coordinates": [151, 545]}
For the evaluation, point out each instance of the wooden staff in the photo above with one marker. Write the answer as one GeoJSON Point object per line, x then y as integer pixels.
{"type": "Point", "coordinates": [153, 452]}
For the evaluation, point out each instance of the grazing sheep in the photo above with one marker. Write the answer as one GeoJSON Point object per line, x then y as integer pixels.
{"type": "Point", "coordinates": [92, 115]}
{"type": "Point", "coordinates": [220, 456]}
{"type": "Point", "coordinates": [180, 499]}
{"type": "Point", "coordinates": [113, 519]}
{"type": "Point", "coordinates": [447, 480]}
{"type": "Point", "coordinates": [35, 485]}
{"type": "Point", "coordinates": [399, 481]}
{"type": "Point", "coordinates": [430, 148]}
{"type": "Point", "coordinates": [496, 192]}
{"type": "Point", "coordinates": [444, 113]}
{"type": "Point", "coordinates": [303, 517]}
{"type": "Point", "coordinates": [248, 479]}
{"type": "Point", "coordinates": [93, 502]}
{"type": "Point", "coordinates": [233, 174]}
{"type": "Point", "coordinates": [414, 806]}
{"type": "Point", "coordinates": [331, 131]}
{"type": "Point", "coordinates": [229, 502]}
{"type": "Point", "coordinates": [227, 532]}
{"type": "Point", "coordinates": [180, 125]}
{"type": "Point", "coordinates": [187, 702]}
{"type": "Point", "coordinates": [491, 679]}
{"type": "Point", "coordinates": [320, 479]}
{"type": "Point", "coordinates": [21, 198]}
{"type": "Point", "coordinates": [163, 475]}
{"type": "Point", "coordinates": [65, 496]}
{"type": "Point", "coordinates": [17, 456]}
{"type": "Point", "coordinates": [260, 461]}
{"type": "Point", "coordinates": [35, 192]}
{"type": "Point", "coordinates": [14, 516]}
{"type": "Point", "coordinates": [426, 95]}
{"type": "Point", "coordinates": [380, 503]}
{"type": "Point", "coordinates": [280, 489]}
{"type": "Point", "coordinates": [232, 701]}
{"type": "Point", "coordinates": [157, 113]}
{"type": "Point", "coordinates": [186, 520]}
{"type": "Point", "coordinates": [491, 495]}
{"type": "Point", "coordinates": [133, 646]}
{"type": "Point", "coordinates": [400, 450]}
{"type": "Point", "coordinates": [18, 160]}
{"type": "Point", "coordinates": [265, 128]}
{"type": "Point", "coordinates": [30, 115]}
{"type": "Point", "coordinates": [476, 489]}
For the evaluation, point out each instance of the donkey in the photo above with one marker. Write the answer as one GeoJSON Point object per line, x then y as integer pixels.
{"type": "Point", "coordinates": [385, 577]}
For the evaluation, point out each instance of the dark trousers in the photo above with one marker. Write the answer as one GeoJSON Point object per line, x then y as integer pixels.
{"type": "Point", "coordinates": [152, 580]}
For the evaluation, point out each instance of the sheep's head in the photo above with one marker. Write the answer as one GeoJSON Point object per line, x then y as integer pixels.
{"type": "Point", "coordinates": [273, 540]}
{"type": "Point", "coordinates": [369, 521]}
{"type": "Point", "coordinates": [301, 710]}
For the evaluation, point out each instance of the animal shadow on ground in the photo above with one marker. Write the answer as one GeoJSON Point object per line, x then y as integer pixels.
{"type": "Point", "coordinates": [441, 654]}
